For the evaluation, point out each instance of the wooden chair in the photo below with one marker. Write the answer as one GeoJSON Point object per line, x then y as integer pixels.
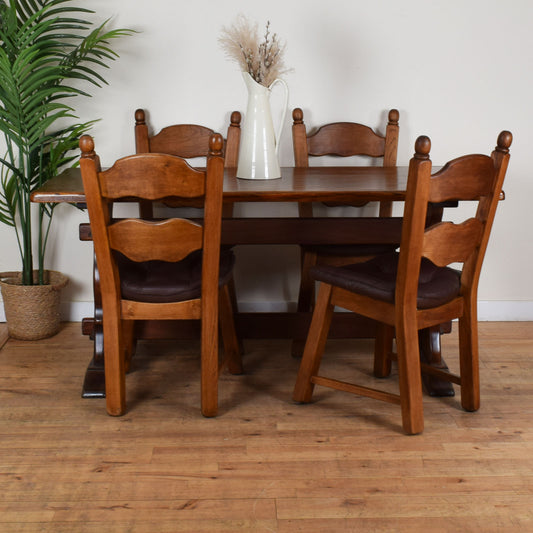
{"type": "Point", "coordinates": [160, 270]}
{"type": "Point", "coordinates": [341, 139]}
{"type": "Point", "coordinates": [188, 141]}
{"type": "Point", "coordinates": [415, 288]}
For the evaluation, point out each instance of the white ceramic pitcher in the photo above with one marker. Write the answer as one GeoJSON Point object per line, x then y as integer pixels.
{"type": "Point", "coordinates": [259, 147]}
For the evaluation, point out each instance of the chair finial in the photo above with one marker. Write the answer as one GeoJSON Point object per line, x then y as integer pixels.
{"type": "Point", "coordinates": [297, 115]}
{"type": "Point", "coordinates": [235, 119]}
{"type": "Point", "coordinates": [87, 146]}
{"type": "Point", "coordinates": [422, 147]}
{"type": "Point", "coordinates": [394, 117]}
{"type": "Point", "coordinates": [505, 138]}
{"type": "Point", "coordinates": [139, 117]}
{"type": "Point", "coordinates": [216, 143]}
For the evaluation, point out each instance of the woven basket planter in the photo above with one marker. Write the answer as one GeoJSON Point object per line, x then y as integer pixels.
{"type": "Point", "coordinates": [32, 311]}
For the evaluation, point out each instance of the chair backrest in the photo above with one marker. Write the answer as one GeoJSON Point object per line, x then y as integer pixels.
{"type": "Point", "coordinates": [473, 178]}
{"type": "Point", "coordinates": [345, 139]}
{"type": "Point", "coordinates": [141, 240]}
{"type": "Point", "coordinates": [188, 141]}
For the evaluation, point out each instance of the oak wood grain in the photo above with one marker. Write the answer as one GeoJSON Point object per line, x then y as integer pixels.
{"type": "Point", "coordinates": [341, 184]}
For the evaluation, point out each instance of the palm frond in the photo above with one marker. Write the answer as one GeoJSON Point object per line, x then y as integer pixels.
{"type": "Point", "coordinates": [49, 50]}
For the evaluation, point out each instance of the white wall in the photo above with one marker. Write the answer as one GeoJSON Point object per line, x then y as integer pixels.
{"type": "Point", "coordinates": [458, 71]}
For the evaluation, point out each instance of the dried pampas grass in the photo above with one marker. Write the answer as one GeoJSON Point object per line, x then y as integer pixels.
{"type": "Point", "coordinates": [263, 60]}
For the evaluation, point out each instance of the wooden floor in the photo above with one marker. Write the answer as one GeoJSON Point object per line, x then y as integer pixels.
{"type": "Point", "coordinates": [265, 464]}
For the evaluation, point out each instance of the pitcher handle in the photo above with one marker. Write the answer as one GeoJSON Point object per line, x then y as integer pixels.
{"type": "Point", "coordinates": [284, 112]}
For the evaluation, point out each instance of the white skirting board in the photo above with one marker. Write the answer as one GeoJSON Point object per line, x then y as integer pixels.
{"type": "Point", "coordinates": [491, 311]}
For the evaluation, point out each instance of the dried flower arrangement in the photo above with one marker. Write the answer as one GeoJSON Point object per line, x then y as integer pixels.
{"type": "Point", "coordinates": [262, 60]}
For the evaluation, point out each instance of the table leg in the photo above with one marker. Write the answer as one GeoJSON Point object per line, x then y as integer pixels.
{"type": "Point", "coordinates": [94, 382]}
{"type": "Point", "coordinates": [430, 353]}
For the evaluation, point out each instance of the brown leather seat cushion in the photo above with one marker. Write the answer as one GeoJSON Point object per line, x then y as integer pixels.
{"type": "Point", "coordinates": [377, 278]}
{"type": "Point", "coordinates": [160, 282]}
{"type": "Point", "coordinates": [351, 250]}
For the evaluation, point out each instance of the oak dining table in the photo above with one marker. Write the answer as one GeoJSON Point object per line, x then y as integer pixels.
{"type": "Point", "coordinates": [332, 184]}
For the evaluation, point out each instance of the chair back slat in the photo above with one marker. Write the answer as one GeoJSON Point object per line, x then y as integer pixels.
{"type": "Point", "coordinates": [184, 140]}
{"type": "Point", "coordinates": [454, 181]}
{"type": "Point", "coordinates": [345, 139]}
{"type": "Point", "coordinates": [446, 242]}
{"type": "Point", "coordinates": [151, 176]}
{"type": "Point", "coordinates": [169, 240]}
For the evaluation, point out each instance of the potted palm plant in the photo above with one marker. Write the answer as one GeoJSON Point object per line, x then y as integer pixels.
{"type": "Point", "coordinates": [50, 51]}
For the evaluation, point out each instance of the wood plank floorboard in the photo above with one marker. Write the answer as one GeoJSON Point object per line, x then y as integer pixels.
{"type": "Point", "coordinates": [265, 463]}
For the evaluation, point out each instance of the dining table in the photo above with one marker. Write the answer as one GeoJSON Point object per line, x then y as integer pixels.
{"type": "Point", "coordinates": [345, 185]}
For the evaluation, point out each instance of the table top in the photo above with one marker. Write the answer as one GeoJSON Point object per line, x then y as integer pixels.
{"type": "Point", "coordinates": [324, 184]}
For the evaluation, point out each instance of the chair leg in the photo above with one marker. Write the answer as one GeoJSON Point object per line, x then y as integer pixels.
{"type": "Point", "coordinates": [409, 377]}
{"type": "Point", "coordinates": [235, 307]}
{"type": "Point", "coordinates": [115, 378]}
{"type": "Point", "coordinates": [209, 357]}
{"type": "Point", "coordinates": [233, 295]}
{"type": "Point", "coordinates": [306, 296]}
{"type": "Point", "coordinates": [469, 358]}
{"type": "Point", "coordinates": [129, 341]}
{"type": "Point", "coordinates": [229, 336]}
{"type": "Point", "coordinates": [382, 350]}
{"type": "Point", "coordinates": [315, 344]}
